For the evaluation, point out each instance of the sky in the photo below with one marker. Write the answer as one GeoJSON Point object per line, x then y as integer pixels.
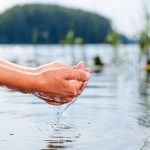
{"type": "Point", "coordinates": [125, 14]}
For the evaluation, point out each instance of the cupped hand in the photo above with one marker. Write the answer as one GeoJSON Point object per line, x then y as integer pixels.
{"type": "Point", "coordinates": [78, 84]}
{"type": "Point", "coordinates": [58, 83]}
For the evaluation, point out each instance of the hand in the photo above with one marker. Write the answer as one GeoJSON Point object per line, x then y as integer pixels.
{"type": "Point", "coordinates": [44, 81]}
{"type": "Point", "coordinates": [81, 66]}
{"type": "Point", "coordinates": [58, 83]}
{"type": "Point", "coordinates": [52, 65]}
{"type": "Point", "coordinates": [51, 100]}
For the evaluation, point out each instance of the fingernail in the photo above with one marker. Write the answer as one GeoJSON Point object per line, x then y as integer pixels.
{"type": "Point", "coordinates": [81, 62]}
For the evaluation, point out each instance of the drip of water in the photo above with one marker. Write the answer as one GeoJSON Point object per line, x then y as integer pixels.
{"type": "Point", "coordinates": [57, 125]}
{"type": "Point", "coordinates": [60, 113]}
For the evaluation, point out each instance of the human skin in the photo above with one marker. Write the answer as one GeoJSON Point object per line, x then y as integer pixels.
{"type": "Point", "coordinates": [81, 84]}
{"type": "Point", "coordinates": [52, 79]}
{"type": "Point", "coordinates": [54, 64]}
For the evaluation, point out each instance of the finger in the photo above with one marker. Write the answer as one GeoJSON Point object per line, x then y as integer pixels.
{"type": "Point", "coordinates": [76, 87]}
{"type": "Point", "coordinates": [83, 87]}
{"type": "Point", "coordinates": [54, 103]}
{"type": "Point", "coordinates": [80, 65]}
{"type": "Point", "coordinates": [69, 99]}
{"type": "Point", "coordinates": [87, 70]}
{"type": "Point", "coordinates": [79, 75]}
{"type": "Point", "coordinates": [74, 67]}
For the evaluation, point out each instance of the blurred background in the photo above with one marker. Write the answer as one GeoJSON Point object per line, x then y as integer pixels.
{"type": "Point", "coordinates": [111, 37]}
{"type": "Point", "coordinates": [72, 30]}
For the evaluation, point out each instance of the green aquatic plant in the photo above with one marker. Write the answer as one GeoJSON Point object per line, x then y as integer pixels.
{"type": "Point", "coordinates": [114, 39]}
{"type": "Point", "coordinates": [144, 37]}
{"type": "Point", "coordinates": [144, 43]}
{"type": "Point", "coordinates": [70, 39]}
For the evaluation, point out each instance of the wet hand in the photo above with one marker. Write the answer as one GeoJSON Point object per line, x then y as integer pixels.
{"type": "Point", "coordinates": [58, 83]}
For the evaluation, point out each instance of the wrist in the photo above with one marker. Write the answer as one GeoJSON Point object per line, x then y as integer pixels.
{"type": "Point", "coordinates": [24, 82]}
{"type": "Point", "coordinates": [28, 82]}
{"type": "Point", "coordinates": [36, 81]}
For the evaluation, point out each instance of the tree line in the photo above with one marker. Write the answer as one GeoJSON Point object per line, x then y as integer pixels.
{"type": "Point", "coordinates": [46, 24]}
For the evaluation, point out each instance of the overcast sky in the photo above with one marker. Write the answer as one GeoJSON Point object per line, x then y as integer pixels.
{"type": "Point", "coordinates": [125, 14]}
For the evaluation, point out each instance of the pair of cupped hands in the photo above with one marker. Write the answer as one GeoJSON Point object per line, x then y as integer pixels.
{"type": "Point", "coordinates": [62, 83]}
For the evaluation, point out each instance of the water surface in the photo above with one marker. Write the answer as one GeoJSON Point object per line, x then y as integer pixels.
{"type": "Point", "coordinates": [111, 114]}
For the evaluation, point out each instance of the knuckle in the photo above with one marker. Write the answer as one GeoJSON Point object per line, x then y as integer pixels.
{"type": "Point", "coordinates": [80, 76]}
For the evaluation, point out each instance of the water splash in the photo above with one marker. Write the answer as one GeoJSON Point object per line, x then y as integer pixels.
{"type": "Point", "coordinates": [60, 112]}
{"type": "Point", "coordinates": [57, 126]}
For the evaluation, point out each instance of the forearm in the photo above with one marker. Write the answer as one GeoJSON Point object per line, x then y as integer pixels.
{"type": "Point", "coordinates": [15, 66]}
{"type": "Point", "coordinates": [15, 79]}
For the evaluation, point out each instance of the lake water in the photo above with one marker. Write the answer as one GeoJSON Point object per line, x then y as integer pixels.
{"type": "Point", "coordinates": [113, 113]}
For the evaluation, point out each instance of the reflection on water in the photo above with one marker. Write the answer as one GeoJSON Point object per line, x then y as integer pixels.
{"type": "Point", "coordinates": [113, 113]}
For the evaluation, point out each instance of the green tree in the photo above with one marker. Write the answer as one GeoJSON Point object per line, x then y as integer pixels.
{"type": "Point", "coordinates": [40, 23]}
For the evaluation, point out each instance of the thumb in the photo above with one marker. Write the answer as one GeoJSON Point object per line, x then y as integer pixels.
{"type": "Point", "coordinates": [79, 75]}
